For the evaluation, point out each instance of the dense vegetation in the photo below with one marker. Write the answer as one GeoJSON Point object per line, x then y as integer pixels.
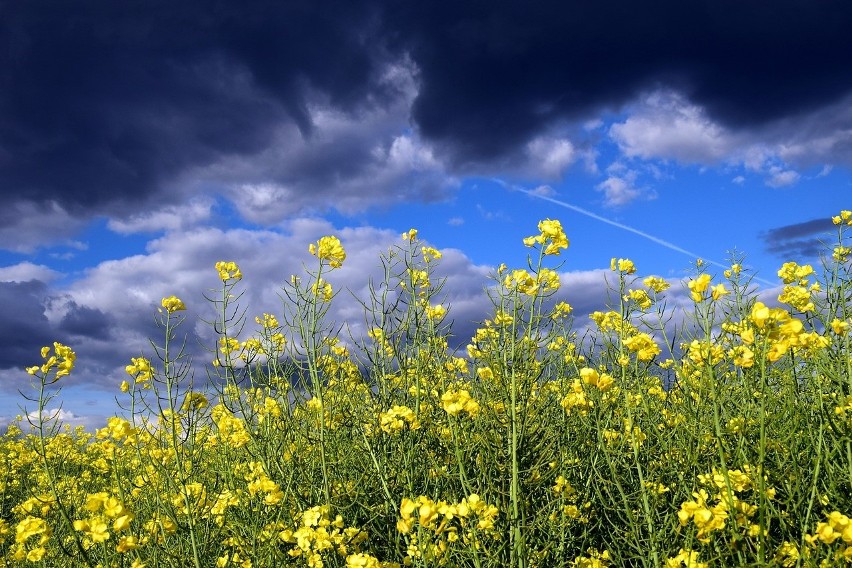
{"type": "Point", "coordinates": [719, 435]}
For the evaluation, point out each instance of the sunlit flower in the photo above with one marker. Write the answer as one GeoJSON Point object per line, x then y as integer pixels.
{"type": "Point", "coordinates": [62, 361]}
{"type": "Point", "coordinates": [173, 304]}
{"type": "Point", "coordinates": [228, 271]}
{"type": "Point", "coordinates": [698, 286]}
{"type": "Point", "coordinates": [329, 248]}
{"type": "Point", "coordinates": [623, 265]}
{"type": "Point", "coordinates": [656, 284]}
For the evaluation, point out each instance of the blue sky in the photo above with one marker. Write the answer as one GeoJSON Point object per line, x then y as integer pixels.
{"type": "Point", "coordinates": [137, 149]}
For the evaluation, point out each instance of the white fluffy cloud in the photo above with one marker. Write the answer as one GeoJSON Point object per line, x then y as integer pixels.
{"type": "Point", "coordinates": [24, 271]}
{"type": "Point", "coordinates": [664, 125]}
{"type": "Point", "coordinates": [168, 218]}
{"type": "Point", "coordinates": [618, 190]}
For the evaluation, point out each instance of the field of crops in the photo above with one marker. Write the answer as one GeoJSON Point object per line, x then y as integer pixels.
{"type": "Point", "coordinates": [650, 435]}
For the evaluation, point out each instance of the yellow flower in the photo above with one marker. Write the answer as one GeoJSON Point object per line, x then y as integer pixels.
{"type": "Point", "coordinates": [643, 345]}
{"type": "Point", "coordinates": [228, 271]}
{"type": "Point", "coordinates": [410, 235]}
{"type": "Point", "coordinates": [329, 248]}
{"type": "Point", "coordinates": [36, 554]}
{"type": "Point", "coordinates": [126, 544]}
{"type": "Point", "coordinates": [139, 369]}
{"type": "Point", "coordinates": [840, 327]}
{"type": "Point", "coordinates": [656, 284]}
{"type": "Point", "coordinates": [322, 290]}
{"type": "Point", "coordinates": [63, 359]}
{"type": "Point", "coordinates": [791, 272]}
{"type": "Point", "coordinates": [698, 286]}
{"type": "Point", "coordinates": [430, 253]}
{"type": "Point", "coordinates": [551, 234]}
{"type": "Point", "coordinates": [173, 304]}
{"type": "Point", "coordinates": [623, 265]}
{"type": "Point", "coordinates": [718, 291]}
{"type": "Point", "coordinates": [455, 402]}
{"type": "Point", "coordinates": [640, 297]}
{"type": "Point", "coordinates": [30, 526]}
{"type": "Point", "coordinates": [435, 312]}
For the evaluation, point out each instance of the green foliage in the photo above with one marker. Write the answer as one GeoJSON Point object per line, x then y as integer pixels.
{"type": "Point", "coordinates": [715, 435]}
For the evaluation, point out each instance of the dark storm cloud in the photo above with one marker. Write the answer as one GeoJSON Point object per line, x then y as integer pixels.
{"type": "Point", "coordinates": [25, 328]}
{"type": "Point", "coordinates": [799, 241]}
{"type": "Point", "coordinates": [495, 73]}
{"type": "Point", "coordinates": [85, 321]}
{"type": "Point", "coordinates": [104, 104]}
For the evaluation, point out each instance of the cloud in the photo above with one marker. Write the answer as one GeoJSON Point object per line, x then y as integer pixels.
{"type": "Point", "coordinates": [64, 417]}
{"type": "Point", "coordinates": [666, 125]}
{"type": "Point", "coordinates": [550, 157]}
{"type": "Point", "coordinates": [618, 190]}
{"type": "Point", "coordinates": [621, 185]}
{"type": "Point", "coordinates": [800, 241]}
{"type": "Point", "coordinates": [167, 218]}
{"type": "Point", "coordinates": [107, 316]}
{"type": "Point", "coordinates": [543, 191]}
{"type": "Point", "coordinates": [27, 225]}
{"type": "Point", "coordinates": [525, 69]}
{"type": "Point", "coordinates": [375, 102]}
{"type": "Point", "coordinates": [26, 328]}
{"type": "Point", "coordinates": [779, 177]}
{"type": "Point", "coordinates": [25, 271]}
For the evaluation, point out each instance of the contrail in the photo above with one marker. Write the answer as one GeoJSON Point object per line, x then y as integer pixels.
{"type": "Point", "coordinates": [622, 226]}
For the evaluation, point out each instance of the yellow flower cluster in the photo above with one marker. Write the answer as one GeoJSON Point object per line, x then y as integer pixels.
{"type": "Point", "coordinates": [140, 369]}
{"type": "Point", "coordinates": [329, 249]}
{"type": "Point", "coordinates": [792, 272]}
{"type": "Point", "coordinates": [26, 529]}
{"type": "Point", "coordinates": [603, 381]}
{"type": "Point", "coordinates": [455, 402]}
{"type": "Point", "coordinates": [228, 271]}
{"type": "Point", "coordinates": [836, 527]}
{"type": "Point", "coordinates": [398, 418]}
{"type": "Point", "coordinates": [639, 297]}
{"type": "Point", "coordinates": [685, 559]}
{"type": "Point", "coordinates": [260, 483]}
{"type": "Point", "coordinates": [623, 265]}
{"type": "Point", "coordinates": [442, 524]}
{"type": "Point", "coordinates": [173, 304]}
{"type": "Point", "coordinates": [436, 312]}
{"type": "Point", "coordinates": [845, 218]}
{"type": "Point", "coordinates": [546, 281]}
{"type": "Point", "coordinates": [551, 236]}
{"type": "Point", "coordinates": [230, 429]}
{"type": "Point", "coordinates": [595, 559]}
{"type": "Point", "coordinates": [643, 345]}
{"type": "Point", "coordinates": [709, 516]}
{"type": "Point", "coordinates": [105, 508]}
{"type": "Point", "coordinates": [699, 286]}
{"type": "Point", "coordinates": [319, 535]}
{"type": "Point", "coordinates": [322, 290]}
{"type": "Point", "coordinates": [576, 399]}
{"type": "Point", "coordinates": [62, 360]}
{"type": "Point", "coordinates": [656, 284]}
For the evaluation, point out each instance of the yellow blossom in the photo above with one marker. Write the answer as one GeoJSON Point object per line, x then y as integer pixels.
{"type": "Point", "coordinates": [329, 248]}
{"type": "Point", "coordinates": [698, 286]}
{"type": "Point", "coordinates": [623, 265]}
{"type": "Point", "coordinates": [173, 304]}
{"type": "Point", "coordinates": [228, 271]}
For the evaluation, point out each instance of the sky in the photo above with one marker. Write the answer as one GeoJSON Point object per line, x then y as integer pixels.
{"type": "Point", "coordinates": [141, 142]}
